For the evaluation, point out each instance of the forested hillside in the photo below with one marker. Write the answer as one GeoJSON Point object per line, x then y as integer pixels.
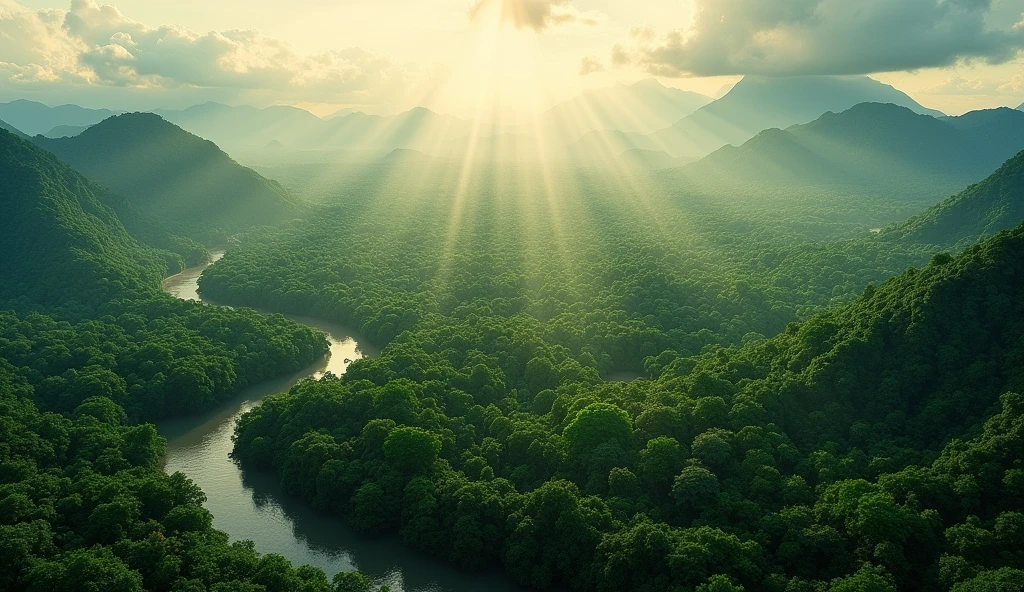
{"type": "Point", "coordinates": [870, 145]}
{"type": "Point", "coordinates": [183, 182]}
{"type": "Point", "coordinates": [90, 348]}
{"type": "Point", "coordinates": [60, 239]}
{"type": "Point", "coordinates": [825, 458]}
{"type": "Point", "coordinates": [11, 128]}
{"type": "Point", "coordinates": [757, 103]}
{"type": "Point", "coordinates": [995, 204]}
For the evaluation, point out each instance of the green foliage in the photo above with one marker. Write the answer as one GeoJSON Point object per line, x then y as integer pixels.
{"type": "Point", "coordinates": [411, 449]}
{"type": "Point", "coordinates": [173, 178]}
{"type": "Point", "coordinates": [90, 347]}
{"type": "Point", "coordinates": [819, 459]}
{"type": "Point", "coordinates": [597, 424]}
{"type": "Point", "coordinates": [78, 513]}
{"type": "Point", "coordinates": [980, 210]}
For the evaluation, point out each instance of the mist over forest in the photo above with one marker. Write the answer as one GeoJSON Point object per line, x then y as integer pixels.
{"type": "Point", "coordinates": [724, 306]}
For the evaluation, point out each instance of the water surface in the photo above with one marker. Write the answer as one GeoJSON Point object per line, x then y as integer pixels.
{"type": "Point", "coordinates": [249, 505]}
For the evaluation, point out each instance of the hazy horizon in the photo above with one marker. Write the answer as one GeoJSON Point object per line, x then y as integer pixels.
{"type": "Point", "coordinates": [493, 59]}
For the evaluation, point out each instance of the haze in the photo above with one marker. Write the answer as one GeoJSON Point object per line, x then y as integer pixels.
{"type": "Point", "coordinates": [506, 58]}
{"type": "Point", "coordinates": [507, 295]}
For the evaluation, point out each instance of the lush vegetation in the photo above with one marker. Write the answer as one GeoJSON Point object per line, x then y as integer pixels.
{"type": "Point", "coordinates": [88, 346]}
{"type": "Point", "coordinates": [85, 506]}
{"type": "Point", "coordinates": [846, 453]}
{"type": "Point", "coordinates": [87, 316]}
{"type": "Point", "coordinates": [156, 357]}
{"type": "Point", "coordinates": [183, 182]}
{"type": "Point", "coordinates": [60, 241]}
{"type": "Point", "coordinates": [559, 255]}
{"type": "Point", "coordinates": [980, 210]}
{"type": "Point", "coordinates": [799, 423]}
{"type": "Point", "coordinates": [819, 459]}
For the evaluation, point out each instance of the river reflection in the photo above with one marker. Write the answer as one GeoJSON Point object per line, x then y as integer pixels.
{"type": "Point", "coordinates": [249, 505]}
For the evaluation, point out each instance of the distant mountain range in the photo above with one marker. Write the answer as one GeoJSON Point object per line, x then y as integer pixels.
{"type": "Point", "coordinates": [756, 104]}
{"type": "Point", "coordinates": [983, 209]}
{"type": "Point", "coordinates": [182, 181]}
{"type": "Point", "coordinates": [597, 125]}
{"type": "Point", "coordinates": [871, 143]}
{"type": "Point", "coordinates": [36, 118]}
{"type": "Point", "coordinates": [641, 108]}
{"type": "Point", "coordinates": [66, 131]}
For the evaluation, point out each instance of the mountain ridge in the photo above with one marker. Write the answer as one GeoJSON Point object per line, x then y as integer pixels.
{"type": "Point", "coordinates": [757, 103]}
{"type": "Point", "coordinates": [872, 142]}
{"type": "Point", "coordinates": [994, 204]}
{"type": "Point", "coordinates": [52, 219]}
{"type": "Point", "coordinates": [181, 180]}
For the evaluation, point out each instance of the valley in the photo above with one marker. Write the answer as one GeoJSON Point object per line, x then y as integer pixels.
{"type": "Point", "coordinates": [650, 341]}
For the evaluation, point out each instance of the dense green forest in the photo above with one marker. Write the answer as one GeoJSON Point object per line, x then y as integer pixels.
{"type": "Point", "coordinates": [89, 346]}
{"type": "Point", "coordinates": [84, 506]}
{"type": "Point", "coordinates": [871, 447]}
{"type": "Point", "coordinates": [591, 378]}
{"type": "Point", "coordinates": [819, 459]}
{"type": "Point", "coordinates": [980, 210]}
{"type": "Point", "coordinates": [183, 182]}
{"type": "Point", "coordinates": [562, 256]}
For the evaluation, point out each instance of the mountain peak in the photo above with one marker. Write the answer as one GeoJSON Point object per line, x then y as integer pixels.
{"type": "Point", "coordinates": [184, 181]}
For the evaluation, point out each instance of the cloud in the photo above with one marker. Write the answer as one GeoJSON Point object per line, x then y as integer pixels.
{"type": "Point", "coordinates": [98, 45]}
{"type": "Point", "coordinates": [958, 85]}
{"type": "Point", "coordinates": [589, 65]}
{"type": "Point", "coordinates": [538, 15]}
{"type": "Point", "coordinates": [789, 37]}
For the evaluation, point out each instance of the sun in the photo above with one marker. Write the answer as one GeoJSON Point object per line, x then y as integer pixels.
{"type": "Point", "coordinates": [496, 71]}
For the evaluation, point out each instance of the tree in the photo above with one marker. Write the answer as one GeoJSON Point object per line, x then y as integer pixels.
{"type": "Point", "coordinates": [695, 488]}
{"type": "Point", "coordinates": [411, 450]}
{"type": "Point", "coordinates": [352, 581]}
{"type": "Point", "coordinates": [85, 570]}
{"type": "Point", "coordinates": [596, 424]}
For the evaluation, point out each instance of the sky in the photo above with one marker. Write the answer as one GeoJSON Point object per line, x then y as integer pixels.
{"type": "Point", "coordinates": [499, 58]}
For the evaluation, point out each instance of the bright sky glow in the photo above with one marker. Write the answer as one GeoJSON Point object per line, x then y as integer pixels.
{"type": "Point", "coordinates": [500, 58]}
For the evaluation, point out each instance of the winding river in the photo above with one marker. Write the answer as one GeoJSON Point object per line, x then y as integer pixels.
{"type": "Point", "coordinates": [249, 505]}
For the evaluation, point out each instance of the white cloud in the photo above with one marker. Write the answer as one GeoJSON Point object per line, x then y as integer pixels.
{"type": "Point", "coordinates": [98, 45]}
{"type": "Point", "coordinates": [788, 37]}
{"type": "Point", "coordinates": [958, 85]}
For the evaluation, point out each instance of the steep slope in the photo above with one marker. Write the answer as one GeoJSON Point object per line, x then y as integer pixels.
{"type": "Point", "coordinates": [10, 128]}
{"type": "Point", "coordinates": [60, 243]}
{"type": "Point", "coordinates": [180, 180]}
{"type": "Point", "coordinates": [644, 107]}
{"type": "Point", "coordinates": [36, 118]}
{"type": "Point", "coordinates": [757, 104]}
{"type": "Point", "coordinates": [995, 204]}
{"type": "Point", "coordinates": [872, 144]}
{"type": "Point", "coordinates": [918, 360]}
